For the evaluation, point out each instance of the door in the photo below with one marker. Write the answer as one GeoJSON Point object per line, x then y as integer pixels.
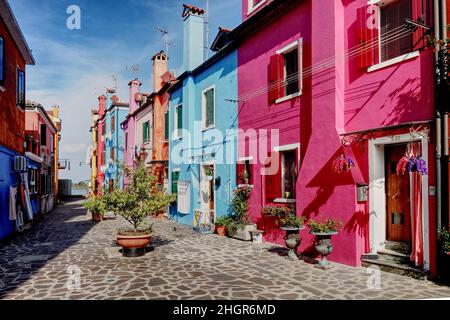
{"type": "Point", "coordinates": [207, 193]}
{"type": "Point", "coordinates": [397, 197]}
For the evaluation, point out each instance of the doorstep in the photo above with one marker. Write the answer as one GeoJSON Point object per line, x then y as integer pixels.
{"type": "Point", "coordinates": [395, 267]}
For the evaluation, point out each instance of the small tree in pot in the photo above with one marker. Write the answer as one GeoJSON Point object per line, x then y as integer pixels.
{"type": "Point", "coordinates": [323, 232]}
{"type": "Point", "coordinates": [239, 225]}
{"type": "Point", "coordinates": [140, 199]}
{"type": "Point", "coordinates": [221, 225]}
{"type": "Point", "coordinates": [96, 206]}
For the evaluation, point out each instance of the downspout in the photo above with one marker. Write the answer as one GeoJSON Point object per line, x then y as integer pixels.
{"type": "Point", "coordinates": [436, 21]}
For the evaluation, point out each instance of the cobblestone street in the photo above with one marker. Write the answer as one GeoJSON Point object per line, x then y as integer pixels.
{"type": "Point", "coordinates": [181, 265]}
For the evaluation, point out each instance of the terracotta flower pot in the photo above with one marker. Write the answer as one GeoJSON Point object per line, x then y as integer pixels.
{"type": "Point", "coordinates": [97, 217]}
{"type": "Point", "coordinates": [221, 231]}
{"type": "Point", "coordinates": [133, 245]}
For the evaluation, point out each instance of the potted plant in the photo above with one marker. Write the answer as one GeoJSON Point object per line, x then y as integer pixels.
{"type": "Point", "coordinates": [209, 172]}
{"type": "Point", "coordinates": [140, 199]}
{"type": "Point", "coordinates": [239, 225]}
{"type": "Point", "coordinates": [323, 231]}
{"type": "Point", "coordinates": [444, 238]}
{"type": "Point", "coordinates": [292, 225]}
{"type": "Point", "coordinates": [96, 206]}
{"type": "Point", "coordinates": [221, 225]}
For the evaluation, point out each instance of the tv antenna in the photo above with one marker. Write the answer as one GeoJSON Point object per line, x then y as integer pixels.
{"type": "Point", "coordinates": [116, 83]}
{"type": "Point", "coordinates": [207, 30]}
{"type": "Point", "coordinates": [165, 34]}
{"type": "Point", "coordinates": [134, 69]}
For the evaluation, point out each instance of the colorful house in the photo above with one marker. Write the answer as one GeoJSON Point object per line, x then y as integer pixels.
{"type": "Point", "coordinates": [350, 90]}
{"type": "Point", "coordinates": [114, 141]}
{"type": "Point", "coordinates": [41, 133]}
{"type": "Point", "coordinates": [202, 127]}
{"type": "Point", "coordinates": [14, 56]}
{"type": "Point", "coordinates": [101, 153]}
{"type": "Point", "coordinates": [94, 153]}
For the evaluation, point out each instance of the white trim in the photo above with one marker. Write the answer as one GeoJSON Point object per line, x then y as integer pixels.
{"type": "Point", "coordinates": [204, 127]}
{"type": "Point", "coordinates": [34, 157]}
{"type": "Point", "coordinates": [244, 159]}
{"type": "Point", "coordinates": [288, 47]}
{"type": "Point", "coordinates": [287, 147]}
{"type": "Point", "coordinates": [251, 8]}
{"type": "Point", "coordinates": [377, 192]}
{"type": "Point", "coordinates": [176, 170]}
{"type": "Point", "coordinates": [402, 58]}
{"type": "Point", "coordinates": [289, 97]}
{"type": "Point", "coordinates": [284, 200]}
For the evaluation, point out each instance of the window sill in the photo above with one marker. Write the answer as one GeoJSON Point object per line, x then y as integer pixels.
{"type": "Point", "coordinates": [208, 128]}
{"type": "Point", "coordinates": [252, 9]}
{"type": "Point", "coordinates": [282, 200]}
{"type": "Point", "coordinates": [289, 97]}
{"type": "Point", "coordinates": [393, 61]}
{"type": "Point", "coordinates": [177, 138]}
{"type": "Point", "coordinates": [245, 185]}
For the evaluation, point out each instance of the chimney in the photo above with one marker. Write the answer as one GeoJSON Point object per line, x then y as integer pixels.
{"type": "Point", "coordinates": [160, 67]}
{"type": "Point", "coordinates": [193, 37]}
{"type": "Point", "coordinates": [55, 111]}
{"type": "Point", "coordinates": [101, 105]}
{"type": "Point", "coordinates": [134, 90]}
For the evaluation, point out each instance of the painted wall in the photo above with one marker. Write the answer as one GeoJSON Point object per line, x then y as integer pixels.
{"type": "Point", "coordinates": [202, 145]}
{"type": "Point", "coordinates": [335, 100]}
{"type": "Point", "coordinates": [101, 142]}
{"type": "Point", "coordinates": [142, 117]}
{"type": "Point", "coordinates": [7, 179]}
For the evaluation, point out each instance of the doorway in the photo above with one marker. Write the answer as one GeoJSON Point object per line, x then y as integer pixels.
{"type": "Point", "coordinates": [207, 192]}
{"type": "Point", "coordinates": [398, 201]}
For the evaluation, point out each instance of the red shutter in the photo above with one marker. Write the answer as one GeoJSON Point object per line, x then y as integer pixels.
{"type": "Point", "coordinates": [276, 77]}
{"type": "Point", "coordinates": [419, 14]}
{"type": "Point", "coordinates": [240, 168]}
{"type": "Point", "coordinates": [367, 36]}
{"type": "Point", "coordinates": [273, 182]}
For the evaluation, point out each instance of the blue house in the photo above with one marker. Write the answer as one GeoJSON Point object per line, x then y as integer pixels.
{"type": "Point", "coordinates": [203, 126]}
{"type": "Point", "coordinates": [114, 147]}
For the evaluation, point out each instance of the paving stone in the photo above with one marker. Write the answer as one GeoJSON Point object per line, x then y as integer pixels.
{"type": "Point", "coordinates": [183, 265]}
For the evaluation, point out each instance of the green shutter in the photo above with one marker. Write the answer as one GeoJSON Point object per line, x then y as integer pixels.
{"type": "Point", "coordinates": [179, 120]}
{"type": "Point", "coordinates": [166, 125]}
{"type": "Point", "coordinates": [175, 179]}
{"type": "Point", "coordinates": [209, 99]}
{"type": "Point", "coordinates": [145, 131]}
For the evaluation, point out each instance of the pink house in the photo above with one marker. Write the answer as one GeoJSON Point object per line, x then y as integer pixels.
{"type": "Point", "coordinates": [341, 79]}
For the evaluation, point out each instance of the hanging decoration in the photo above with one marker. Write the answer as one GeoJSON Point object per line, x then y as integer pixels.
{"type": "Point", "coordinates": [412, 161]}
{"type": "Point", "coordinates": [343, 164]}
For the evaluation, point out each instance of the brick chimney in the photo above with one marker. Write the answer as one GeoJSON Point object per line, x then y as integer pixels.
{"type": "Point", "coordinates": [193, 37]}
{"type": "Point", "coordinates": [101, 105]}
{"type": "Point", "coordinates": [160, 67]}
{"type": "Point", "coordinates": [134, 90]}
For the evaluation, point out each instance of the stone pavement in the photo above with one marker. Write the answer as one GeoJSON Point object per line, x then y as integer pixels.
{"type": "Point", "coordinates": [66, 256]}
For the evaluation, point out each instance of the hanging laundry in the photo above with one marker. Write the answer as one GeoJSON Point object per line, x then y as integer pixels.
{"type": "Point", "coordinates": [184, 197]}
{"type": "Point", "coordinates": [12, 203]}
{"type": "Point", "coordinates": [28, 208]}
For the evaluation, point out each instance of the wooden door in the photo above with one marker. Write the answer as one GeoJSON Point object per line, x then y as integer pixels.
{"type": "Point", "coordinates": [397, 197]}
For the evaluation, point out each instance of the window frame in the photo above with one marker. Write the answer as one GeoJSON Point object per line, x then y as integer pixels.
{"type": "Point", "coordinates": [172, 180]}
{"type": "Point", "coordinates": [3, 60]}
{"type": "Point", "coordinates": [404, 57]}
{"type": "Point", "coordinates": [281, 150]}
{"type": "Point", "coordinates": [204, 111]}
{"type": "Point", "coordinates": [252, 7]}
{"type": "Point", "coordinates": [18, 103]}
{"type": "Point", "coordinates": [144, 124]}
{"type": "Point", "coordinates": [286, 49]}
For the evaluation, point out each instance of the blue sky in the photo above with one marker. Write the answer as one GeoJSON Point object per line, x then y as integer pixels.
{"type": "Point", "coordinates": [73, 67]}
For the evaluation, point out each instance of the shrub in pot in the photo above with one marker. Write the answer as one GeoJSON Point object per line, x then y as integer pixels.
{"type": "Point", "coordinates": [96, 206]}
{"type": "Point", "coordinates": [239, 225]}
{"type": "Point", "coordinates": [323, 231]}
{"type": "Point", "coordinates": [292, 225]}
{"type": "Point", "coordinates": [444, 238]}
{"type": "Point", "coordinates": [140, 199]}
{"type": "Point", "coordinates": [221, 225]}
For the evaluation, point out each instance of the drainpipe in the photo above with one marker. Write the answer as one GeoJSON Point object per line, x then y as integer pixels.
{"type": "Point", "coordinates": [438, 119]}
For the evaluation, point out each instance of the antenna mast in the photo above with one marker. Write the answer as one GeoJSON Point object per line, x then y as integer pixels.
{"type": "Point", "coordinates": [165, 34]}
{"type": "Point", "coordinates": [207, 30]}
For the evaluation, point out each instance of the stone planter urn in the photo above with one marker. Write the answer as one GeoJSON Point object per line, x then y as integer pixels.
{"type": "Point", "coordinates": [324, 246]}
{"type": "Point", "coordinates": [292, 240]}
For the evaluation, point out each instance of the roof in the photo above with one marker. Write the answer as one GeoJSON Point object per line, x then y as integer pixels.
{"type": "Point", "coordinates": [160, 53]}
{"type": "Point", "coordinates": [7, 15]}
{"type": "Point", "coordinates": [190, 8]}
{"type": "Point", "coordinates": [37, 107]}
{"type": "Point", "coordinates": [221, 39]}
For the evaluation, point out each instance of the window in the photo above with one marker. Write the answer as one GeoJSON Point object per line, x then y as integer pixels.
{"type": "Point", "coordinates": [392, 17]}
{"type": "Point", "coordinates": [387, 38]}
{"type": "Point", "coordinates": [112, 154]}
{"type": "Point", "coordinates": [178, 121]}
{"type": "Point", "coordinates": [113, 123]}
{"type": "Point", "coordinates": [33, 181]}
{"type": "Point", "coordinates": [126, 142]}
{"type": "Point", "coordinates": [208, 105]}
{"type": "Point", "coordinates": [43, 135]}
{"type": "Point", "coordinates": [166, 126]}
{"type": "Point", "coordinates": [285, 73]}
{"type": "Point", "coordinates": [245, 172]}
{"type": "Point", "coordinates": [20, 88]}
{"type": "Point", "coordinates": [175, 179]}
{"type": "Point", "coordinates": [289, 177]}
{"type": "Point", "coordinates": [146, 131]}
{"type": "Point", "coordinates": [2, 60]}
